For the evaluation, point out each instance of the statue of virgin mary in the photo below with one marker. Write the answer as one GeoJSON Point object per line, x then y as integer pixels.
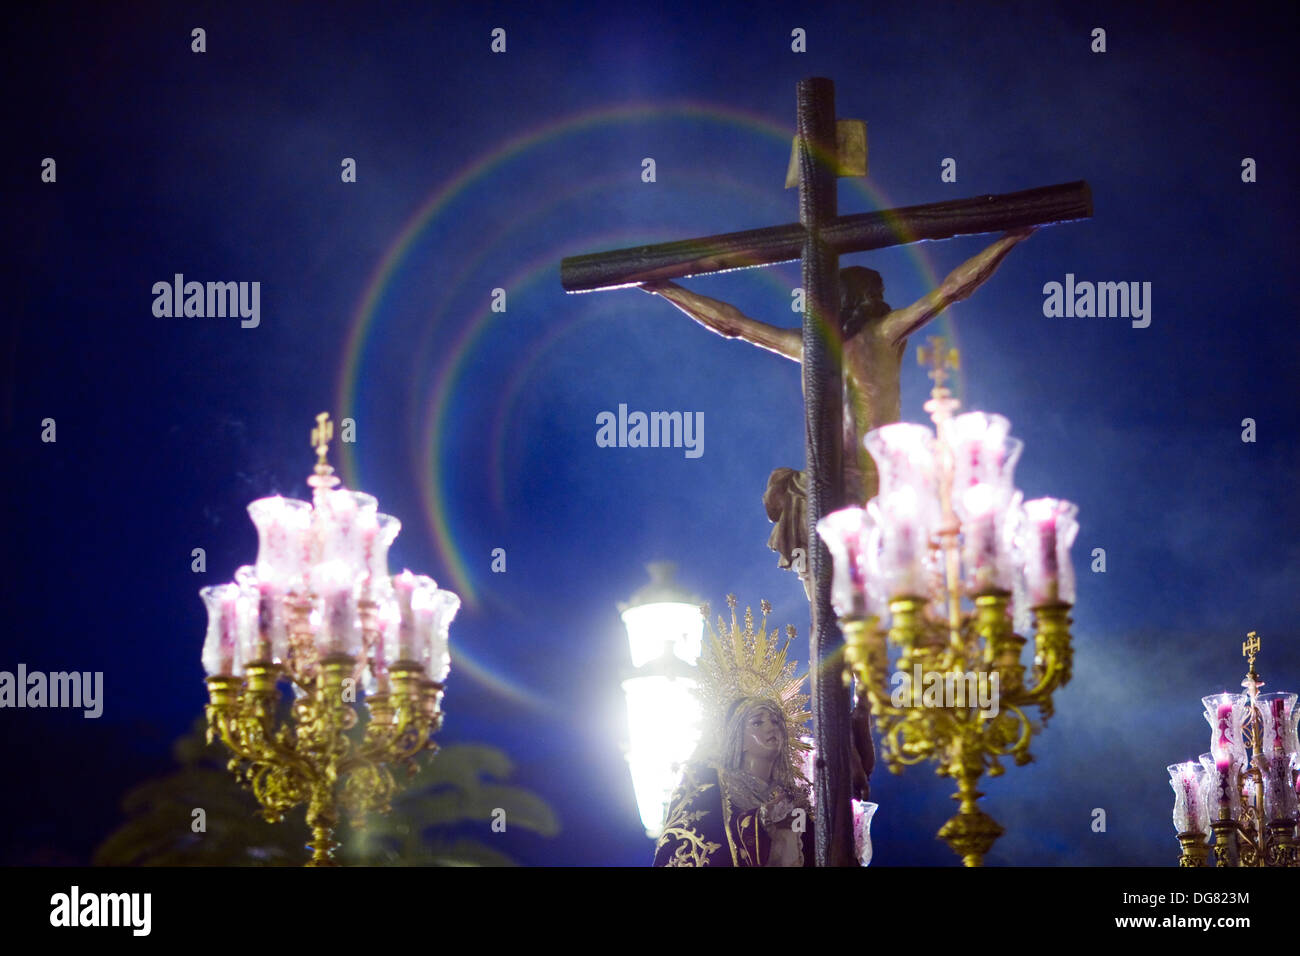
{"type": "Point", "coordinates": [743, 800]}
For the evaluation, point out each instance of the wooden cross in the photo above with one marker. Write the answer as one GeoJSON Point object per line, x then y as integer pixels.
{"type": "Point", "coordinates": [818, 240]}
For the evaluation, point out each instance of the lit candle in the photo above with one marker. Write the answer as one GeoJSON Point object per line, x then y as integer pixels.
{"type": "Point", "coordinates": [1223, 746]}
{"type": "Point", "coordinates": [905, 542]}
{"type": "Point", "coordinates": [271, 624]}
{"type": "Point", "coordinates": [404, 589]}
{"type": "Point", "coordinates": [339, 622]}
{"type": "Point", "coordinates": [1049, 530]}
{"type": "Point", "coordinates": [269, 609]}
{"type": "Point", "coordinates": [1218, 780]}
{"type": "Point", "coordinates": [369, 536]}
{"type": "Point", "coordinates": [848, 534]}
{"type": "Point", "coordinates": [220, 648]}
{"type": "Point", "coordinates": [978, 515]}
{"type": "Point", "coordinates": [1041, 570]}
{"type": "Point", "coordinates": [1192, 794]}
{"type": "Point", "coordinates": [229, 630]}
{"type": "Point", "coordinates": [378, 654]}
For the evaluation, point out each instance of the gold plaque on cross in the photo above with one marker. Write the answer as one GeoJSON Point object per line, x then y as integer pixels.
{"type": "Point", "coordinates": [850, 152]}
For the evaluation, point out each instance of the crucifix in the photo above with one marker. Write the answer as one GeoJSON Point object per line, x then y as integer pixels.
{"type": "Point", "coordinates": [818, 240]}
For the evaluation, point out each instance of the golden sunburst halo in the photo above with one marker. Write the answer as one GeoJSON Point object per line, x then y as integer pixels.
{"type": "Point", "coordinates": [737, 663]}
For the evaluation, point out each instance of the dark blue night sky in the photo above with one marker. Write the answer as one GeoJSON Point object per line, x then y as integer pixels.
{"type": "Point", "coordinates": [478, 171]}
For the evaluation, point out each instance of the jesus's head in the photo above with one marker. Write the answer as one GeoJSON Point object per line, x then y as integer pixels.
{"type": "Point", "coordinates": [862, 299]}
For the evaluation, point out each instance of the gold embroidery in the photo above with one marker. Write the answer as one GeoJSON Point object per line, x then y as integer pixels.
{"type": "Point", "coordinates": [692, 849]}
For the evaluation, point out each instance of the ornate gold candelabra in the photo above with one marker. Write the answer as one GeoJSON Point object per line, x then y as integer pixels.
{"type": "Point", "coordinates": [932, 568]}
{"type": "Point", "coordinates": [1241, 796]}
{"type": "Point", "coordinates": [319, 616]}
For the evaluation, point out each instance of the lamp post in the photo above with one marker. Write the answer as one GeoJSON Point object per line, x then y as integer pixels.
{"type": "Point", "coordinates": [664, 633]}
{"type": "Point", "coordinates": [319, 612]}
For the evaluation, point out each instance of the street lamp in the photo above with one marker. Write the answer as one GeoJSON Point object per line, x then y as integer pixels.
{"type": "Point", "coordinates": [664, 632]}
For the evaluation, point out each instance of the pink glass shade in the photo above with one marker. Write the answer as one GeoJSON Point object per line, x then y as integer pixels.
{"type": "Point", "coordinates": [984, 497]}
{"type": "Point", "coordinates": [1226, 714]}
{"type": "Point", "coordinates": [221, 646]}
{"type": "Point", "coordinates": [388, 621]}
{"type": "Point", "coordinates": [1191, 811]}
{"type": "Point", "coordinates": [283, 540]}
{"type": "Point", "coordinates": [1222, 786]}
{"type": "Point", "coordinates": [904, 455]}
{"type": "Point", "coordinates": [344, 521]}
{"type": "Point", "coordinates": [853, 540]}
{"type": "Point", "coordinates": [434, 610]}
{"type": "Point", "coordinates": [408, 646]}
{"type": "Point", "coordinates": [376, 541]}
{"type": "Point", "coordinates": [1047, 530]}
{"type": "Point", "coordinates": [989, 527]}
{"type": "Point", "coordinates": [261, 630]}
{"type": "Point", "coordinates": [1276, 710]}
{"type": "Point", "coordinates": [863, 811]}
{"type": "Point", "coordinates": [983, 454]}
{"type": "Point", "coordinates": [905, 543]}
{"type": "Point", "coordinates": [1279, 790]}
{"type": "Point", "coordinates": [907, 508]}
{"type": "Point", "coordinates": [339, 628]}
{"type": "Point", "coordinates": [1289, 735]}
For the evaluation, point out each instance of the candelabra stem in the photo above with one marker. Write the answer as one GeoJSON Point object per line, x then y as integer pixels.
{"type": "Point", "coordinates": [323, 844]}
{"type": "Point", "coordinates": [1225, 839]}
{"type": "Point", "coordinates": [972, 832]}
{"type": "Point", "coordinates": [1195, 850]}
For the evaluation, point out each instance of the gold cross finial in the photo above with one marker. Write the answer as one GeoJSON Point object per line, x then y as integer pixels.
{"type": "Point", "coordinates": [940, 358]}
{"type": "Point", "coordinates": [324, 478]}
{"type": "Point", "coordinates": [1250, 648]}
{"type": "Point", "coordinates": [321, 436]}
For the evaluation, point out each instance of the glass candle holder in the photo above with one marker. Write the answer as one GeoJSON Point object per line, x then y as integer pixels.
{"type": "Point", "coordinates": [1226, 714]}
{"type": "Point", "coordinates": [904, 456]}
{"type": "Point", "coordinates": [388, 621]}
{"type": "Point", "coordinates": [339, 630]}
{"type": "Point", "coordinates": [1191, 812]}
{"type": "Point", "coordinates": [343, 519]}
{"type": "Point", "coordinates": [1222, 786]}
{"type": "Point", "coordinates": [983, 453]}
{"type": "Point", "coordinates": [283, 541]}
{"type": "Point", "coordinates": [375, 541]}
{"type": "Point", "coordinates": [853, 540]}
{"type": "Point", "coordinates": [221, 646]}
{"type": "Point", "coordinates": [863, 811]}
{"type": "Point", "coordinates": [411, 635]}
{"type": "Point", "coordinates": [434, 610]}
{"type": "Point", "coordinates": [1275, 710]}
{"type": "Point", "coordinates": [1048, 529]}
{"type": "Point", "coordinates": [905, 522]}
{"type": "Point", "coordinates": [255, 627]}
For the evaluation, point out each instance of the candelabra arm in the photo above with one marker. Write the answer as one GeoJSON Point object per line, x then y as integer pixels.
{"type": "Point", "coordinates": [1054, 659]}
{"type": "Point", "coordinates": [1002, 645]}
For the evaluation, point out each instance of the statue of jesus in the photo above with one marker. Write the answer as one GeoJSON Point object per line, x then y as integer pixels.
{"type": "Point", "coordinates": [874, 337]}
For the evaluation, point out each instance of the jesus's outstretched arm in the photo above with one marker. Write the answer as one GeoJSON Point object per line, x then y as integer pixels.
{"type": "Point", "coordinates": [961, 282]}
{"type": "Point", "coordinates": [729, 321]}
